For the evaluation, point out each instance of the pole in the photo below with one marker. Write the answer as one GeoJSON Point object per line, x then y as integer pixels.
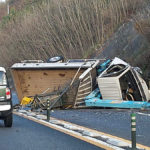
{"type": "Point", "coordinates": [48, 110]}
{"type": "Point", "coordinates": [8, 8]}
{"type": "Point", "coordinates": [133, 130]}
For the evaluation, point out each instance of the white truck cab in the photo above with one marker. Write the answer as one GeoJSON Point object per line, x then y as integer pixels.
{"type": "Point", "coordinates": [120, 81]}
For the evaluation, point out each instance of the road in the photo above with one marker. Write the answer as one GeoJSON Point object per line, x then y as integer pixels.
{"type": "Point", "coordinates": [28, 135]}
{"type": "Point", "coordinates": [111, 121]}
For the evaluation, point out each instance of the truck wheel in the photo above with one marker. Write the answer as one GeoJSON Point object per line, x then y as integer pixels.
{"type": "Point", "coordinates": [129, 97]}
{"type": "Point", "coordinates": [56, 59]}
{"type": "Point", "coordinates": [8, 121]}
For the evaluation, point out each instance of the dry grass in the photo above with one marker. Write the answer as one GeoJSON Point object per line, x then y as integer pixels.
{"type": "Point", "coordinates": [72, 28]}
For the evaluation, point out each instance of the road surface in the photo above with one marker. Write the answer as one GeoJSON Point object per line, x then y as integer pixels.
{"type": "Point", "coordinates": [28, 135]}
{"type": "Point", "coordinates": [112, 121]}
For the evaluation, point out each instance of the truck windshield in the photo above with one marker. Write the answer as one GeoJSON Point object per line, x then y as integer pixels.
{"type": "Point", "coordinates": [2, 78]}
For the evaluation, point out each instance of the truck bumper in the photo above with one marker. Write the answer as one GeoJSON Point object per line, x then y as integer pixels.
{"type": "Point", "coordinates": [5, 109]}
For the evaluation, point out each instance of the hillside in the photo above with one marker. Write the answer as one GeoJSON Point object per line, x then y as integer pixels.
{"type": "Point", "coordinates": [72, 28]}
{"type": "Point", "coordinates": [132, 41]}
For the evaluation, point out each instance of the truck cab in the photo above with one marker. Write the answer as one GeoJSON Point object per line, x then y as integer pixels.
{"type": "Point", "coordinates": [120, 81]}
{"type": "Point", "coordinates": [5, 99]}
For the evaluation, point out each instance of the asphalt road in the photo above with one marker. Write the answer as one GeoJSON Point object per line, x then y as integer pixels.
{"type": "Point", "coordinates": [28, 135]}
{"type": "Point", "coordinates": [112, 121]}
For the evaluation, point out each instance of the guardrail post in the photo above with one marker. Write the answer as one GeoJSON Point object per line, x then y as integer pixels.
{"type": "Point", "coordinates": [48, 110]}
{"type": "Point", "coordinates": [133, 130]}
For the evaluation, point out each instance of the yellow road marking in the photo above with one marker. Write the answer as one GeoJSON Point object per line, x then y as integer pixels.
{"type": "Point", "coordinates": [106, 134]}
{"type": "Point", "coordinates": [69, 133]}
{"type": "Point", "coordinates": [81, 137]}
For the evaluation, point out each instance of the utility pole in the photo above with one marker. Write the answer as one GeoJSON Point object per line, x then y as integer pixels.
{"type": "Point", "coordinates": [8, 9]}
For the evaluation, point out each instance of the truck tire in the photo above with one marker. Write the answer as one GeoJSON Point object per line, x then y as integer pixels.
{"type": "Point", "coordinates": [55, 59]}
{"type": "Point", "coordinates": [8, 121]}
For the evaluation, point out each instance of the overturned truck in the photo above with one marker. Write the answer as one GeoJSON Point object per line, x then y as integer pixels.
{"type": "Point", "coordinates": [119, 85]}
{"type": "Point", "coordinates": [68, 83]}
{"type": "Point", "coordinates": [82, 83]}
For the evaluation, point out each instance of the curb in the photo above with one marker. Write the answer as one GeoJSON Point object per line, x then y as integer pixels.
{"type": "Point", "coordinates": [91, 136]}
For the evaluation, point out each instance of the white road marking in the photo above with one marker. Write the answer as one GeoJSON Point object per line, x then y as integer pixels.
{"type": "Point", "coordinates": [143, 114]}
